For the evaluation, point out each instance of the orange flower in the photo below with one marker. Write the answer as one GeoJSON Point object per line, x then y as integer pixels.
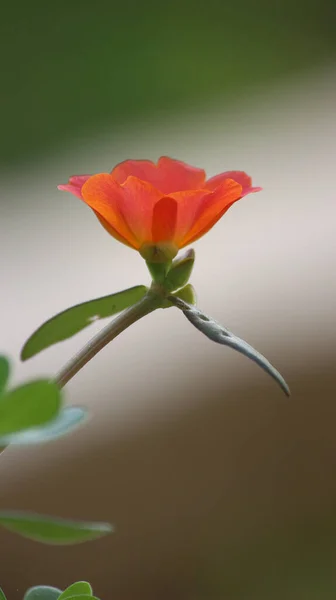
{"type": "Point", "coordinates": [159, 208]}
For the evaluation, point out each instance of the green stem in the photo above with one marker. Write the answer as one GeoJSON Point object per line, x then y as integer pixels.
{"type": "Point", "coordinates": [129, 316]}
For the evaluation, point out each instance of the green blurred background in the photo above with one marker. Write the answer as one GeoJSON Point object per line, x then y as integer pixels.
{"type": "Point", "coordinates": [70, 68]}
{"type": "Point", "coordinates": [235, 497]}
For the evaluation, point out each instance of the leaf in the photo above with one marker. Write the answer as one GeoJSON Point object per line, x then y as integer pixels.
{"type": "Point", "coordinates": [42, 592]}
{"type": "Point", "coordinates": [69, 322]}
{"type": "Point", "coordinates": [76, 589]}
{"type": "Point", "coordinates": [4, 375]}
{"type": "Point", "coordinates": [2, 595]}
{"type": "Point", "coordinates": [82, 597]}
{"type": "Point", "coordinates": [217, 333]}
{"type": "Point", "coordinates": [52, 530]}
{"type": "Point", "coordinates": [30, 405]}
{"type": "Point", "coordinates": [67, 420]}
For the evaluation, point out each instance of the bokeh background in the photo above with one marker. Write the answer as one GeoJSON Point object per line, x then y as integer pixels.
{"type": "Point", "coordinates": [219, 486]}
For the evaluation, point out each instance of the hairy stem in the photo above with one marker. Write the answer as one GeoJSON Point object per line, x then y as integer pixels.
{"type": "Point", "coordinates": [129, 316]}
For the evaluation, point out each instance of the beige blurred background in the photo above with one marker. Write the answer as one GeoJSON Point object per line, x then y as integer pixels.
{"type": "Point", "coordinates": [218, 485]}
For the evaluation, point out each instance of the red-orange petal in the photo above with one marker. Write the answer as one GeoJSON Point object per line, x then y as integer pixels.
{"type": "Point", "coordinates": [164, 220]}
{"type": "Point", "coordinates": [72, 189]}
{"type": "Point", "coordinates": [211, 209]}
{"type": "Point", "coordinates": [188, 203]}
{"type": "Point", "coordinates": [105, 196]}
{"type": "Point", "coordinates": [137, 205]}
{"type": "Point", "coordinates": [142, 169]}
{"type": "Point", "coordinates": [169, 175]}
{"type": "Point", "coordinates": [177, 176]}
{"type": "Point", "coordinates": [79, 180]}
{"type": "Point", "coordinates": [238, 176]}
{"type": "Point", "coordinates": [75, 184]}
{"type": "Point", "coordinates": [114, 232]}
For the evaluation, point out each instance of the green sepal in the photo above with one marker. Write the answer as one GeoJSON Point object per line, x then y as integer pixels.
{"type": "Point", "coordinates": [180, 271]}
{"type": "Point", "coordinates": [187, 293]}
{"type": "Point", "coordinates": [158, 270]}
{"type": "Point", "coordinates": [158, 252]}
{"type": "Point", "coordinates": [2, 595]}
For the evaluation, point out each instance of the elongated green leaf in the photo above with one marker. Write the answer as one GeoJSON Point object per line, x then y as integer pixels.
{"type": "Point", "coordinates": [67, 420]}
{"type": "Point", "coordinates": [42, 592]}
{"type": "Point", "coordinates": [29, 405]}
{"type": "Point", "coordinates": [4, 375]}
{"type": "Point", "coordinates": [52, 530]}
{"type": "Point", "coordinates": [69, 322]}
{"type": "Point", "coordinates": [2, 595]}
{"type": "Point", "coordinates": [217, 333]}
{"type": "Point", "coordinates": [81, 588]}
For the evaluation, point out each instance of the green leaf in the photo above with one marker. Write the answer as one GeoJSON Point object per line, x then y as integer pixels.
{"type": "Point", "coordinates": [29, 405]}
{"type": "Point", "coordinates": [4, 375]}
{"type": "Point", "coordinates": [217, 333]}
{"type": "Point", "coordinates": [69, 322]}
{"type": "Point", "coordinates": [42, 592]}
{"type": "Point", "coordinates": [2, 595]}
{"type": "Point", "coordinates": [82, 597]}
{"type": "Point", "coordinates": [76, 589]}
{"type": "Point", "coordinates": [67, 420]}
{"type": "Point", "coordinates": [52, 530]}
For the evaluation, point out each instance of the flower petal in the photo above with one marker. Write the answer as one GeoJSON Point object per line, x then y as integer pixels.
{"type": "Point", "coordinates": [188, 203]}
{"type": "Point", "coordinates": [142, 169]}
{"type": "Point", "coordinates": [211, 209]}
{"type": "Point", "coordinates": [79, 180]}
{"type": "Point", "coordinates": [164, 220]}
{"type": "Point", "coordinates": [75, 185]}
{"type": "Point", "coordinates": [137, 205]}
{"type": "Point", "coordinates": [105, 196]}
{"type": "Point", "coordinates": [73, 189]}
{"type": "Point", "coordinates": [142, 203]}
{"type": "Point", "coordinates": [168, 175]}
{"type": "Point", "coordinates": [115, 233]}
{"type": "Point", "coordinates": [176, 176]}
{"type": "Point", "coordinates": [238, 176]}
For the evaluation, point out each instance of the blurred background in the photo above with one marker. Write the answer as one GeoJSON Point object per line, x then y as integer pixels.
{"type": "Point", "coordinates": [218, 485]}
